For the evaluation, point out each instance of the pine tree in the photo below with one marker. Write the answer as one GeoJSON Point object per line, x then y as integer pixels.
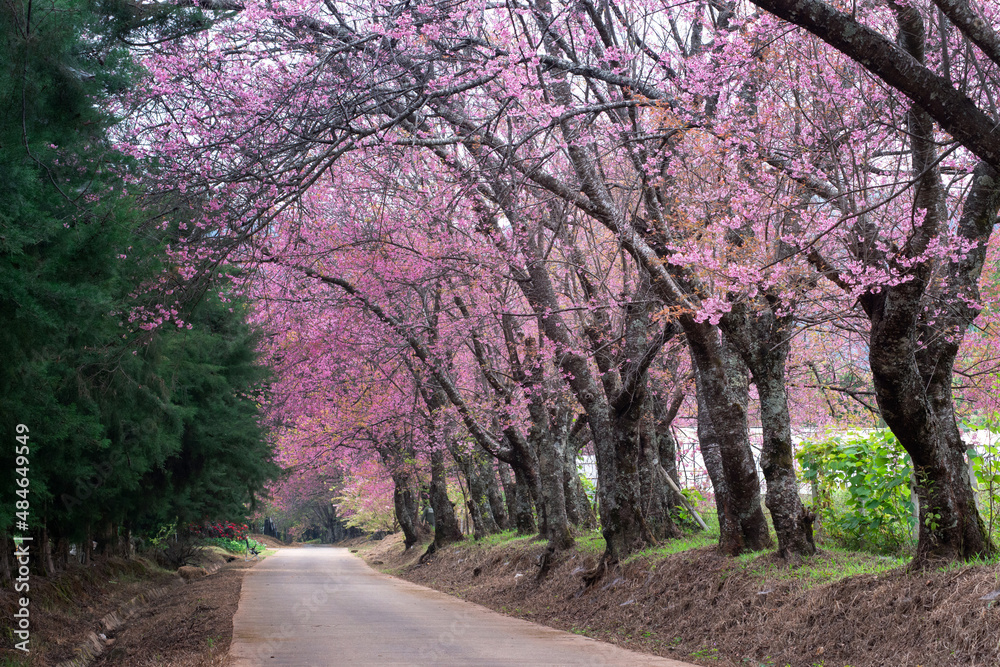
{"type": "Point", "coordinates": [128, 428]}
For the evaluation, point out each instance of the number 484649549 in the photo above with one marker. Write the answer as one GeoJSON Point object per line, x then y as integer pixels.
{"type": "Point", "coordinates": [21, 452]}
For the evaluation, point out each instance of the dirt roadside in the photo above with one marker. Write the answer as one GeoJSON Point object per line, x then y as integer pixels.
{"type": "Point", "coordinates": [188, 624]}
{"type": "Point", "coordinates": [701, 607]}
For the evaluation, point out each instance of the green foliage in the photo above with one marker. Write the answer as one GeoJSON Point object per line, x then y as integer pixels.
{"type": "Point", "coordinates": [361, 511]}
{"type": "Point", "coordinates": [63, 223]}
{"type": "Point", "coordinates": [126, 427]}
{"type": "Point", "coordinates": [693, 496]}
{"type": "Point", "coordinates": [588, 486]}
{"type": "Point", "coordinates": [986, 464]}
{"type": "Point", "coordinates": [233, 546]}
{"type": "Point", "coordinates": [160, 538]}
{"type": "Point", "coordinates": [223, 454]}
{"type": "Point", "coordinates": [861, 484]}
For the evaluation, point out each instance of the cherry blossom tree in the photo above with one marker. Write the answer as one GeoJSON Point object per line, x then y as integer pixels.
{"type": "Point", "coordinates": [757, 181]}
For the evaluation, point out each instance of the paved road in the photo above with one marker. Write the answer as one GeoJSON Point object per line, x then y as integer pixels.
{"type": "Point", "coordinates": [323, 607]}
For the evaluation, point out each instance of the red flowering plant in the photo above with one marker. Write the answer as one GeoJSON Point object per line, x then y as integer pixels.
{"type": "Point", "coordinates": [226, 529]}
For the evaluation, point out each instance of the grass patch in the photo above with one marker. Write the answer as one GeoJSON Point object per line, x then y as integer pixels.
{"type": "Point", "coordinates": [230, 545]}
{"type": "Point", "coordinates": [831, 564]}
{"type": "Point", "coordinates": [826, 567]}
{"type": "Point", "coordinates": [698, 540]}
{"type": "Point", "coordinates": [591, 542]}
{"type": "Point", "coordinates": [498, 539]}
{"type": "Point", "coordinates": [978, 560]}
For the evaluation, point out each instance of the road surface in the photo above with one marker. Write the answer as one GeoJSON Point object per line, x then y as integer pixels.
{"type": "Point", "coordinates": [323, 607]}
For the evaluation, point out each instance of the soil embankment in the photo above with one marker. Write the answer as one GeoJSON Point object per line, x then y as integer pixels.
{"type": "Point", "coordinates": [702, 607]}
{"type": "Point", "coordinates": [169, 623]}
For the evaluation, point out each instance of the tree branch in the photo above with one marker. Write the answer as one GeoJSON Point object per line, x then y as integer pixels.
{"type": "Point", "coordinates": [955, 112]}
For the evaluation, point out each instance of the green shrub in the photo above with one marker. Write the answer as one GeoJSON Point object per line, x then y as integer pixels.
{"type": "Point", "coordinates": [231, 545]}
{"type": "Point", "coordinates": [986, 464]}
{"type": "Point", "coordinates": [861, 490]}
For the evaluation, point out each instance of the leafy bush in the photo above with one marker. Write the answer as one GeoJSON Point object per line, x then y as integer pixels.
{"type": "Point", "coordinates": [861, 490]}
{"type": "Point", "coordinates": [163, 536]}
{"type": "Point", "coordinates": [233, 546]}
{"type": "Point", "coordinates": [986, 464]}
{"type": "Point", "coordinates": [365, 499]}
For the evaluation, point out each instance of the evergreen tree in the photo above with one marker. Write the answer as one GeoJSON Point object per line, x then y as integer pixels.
{"type": "Point", "coordinates": [127, 428]}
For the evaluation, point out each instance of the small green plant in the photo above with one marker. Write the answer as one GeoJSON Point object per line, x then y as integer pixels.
{"type": "Point", "coordinates": [693, 496]}
{"type": "Point", "coordinates": [861, 490]}
{"type": "Point", "coordinates": [706, 653]}
{"type": "Point", "coordinates": [159, 541]}
{"type": "Point", "coordinates": [232, 545]}
{"type": "Point", "coordinates": [986, 465]}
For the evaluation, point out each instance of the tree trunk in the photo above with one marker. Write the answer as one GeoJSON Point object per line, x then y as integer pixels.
{"type": "Point", "coordinates": [792, 523]}
{"type": "Point", "coordinates": [626, 530]}
{"type": "Point", "coordinates": [46, 553]}
{"type": "Point", "coordinates": [504, 472]}
{"type": "Point", "coordinates": [914, 342]}
{"type": "Point", "coordinates": [620, 518]}
{"type": "Point", "coordinates": [495, 497]}
{"type": "Point", "coordinates": [556, 521]}
{"type": "Point", "coordinates": [446, 528]}
{"type": "Point", "coordinates": [659, 502]}
{"type": "Point", "coordinates": [711, 454]}
{"type": "Point", "coordinates": [923, 420]}
{"type": "Point", "coordinates": [723, 395]}
{"type": "Point", "coordinates": [915, 334]}
{"type": "Point", "coordinates": [88, 546]}
{"type": "Point", "coordinates": [406, 510]}
{"type": "Point", "coordinates": [107, 539]}
{"type": "Point", "coordinates": [913, 390]}
{"type": "Point", "coordinates": [524, 517]}
{"type": "Point", "coordinates": [763, 341]}
{"type": "Point", "coordinates": [478, 502]}
{"type": "Point", "coordinates": [547, 443]}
